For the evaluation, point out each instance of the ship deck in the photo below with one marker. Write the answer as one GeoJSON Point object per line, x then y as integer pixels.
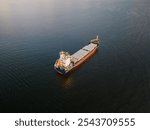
{"type": "Point", "coordinates": [83, 52]}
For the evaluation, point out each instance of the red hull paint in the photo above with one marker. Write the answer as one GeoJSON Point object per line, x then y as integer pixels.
{"type": "Point", "coordinates": [83, 60]}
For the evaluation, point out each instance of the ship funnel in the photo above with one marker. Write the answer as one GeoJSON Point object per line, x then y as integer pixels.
{"type": "Point", "coordinates": [97, 37]}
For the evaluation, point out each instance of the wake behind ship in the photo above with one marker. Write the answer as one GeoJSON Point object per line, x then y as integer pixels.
{"type": "Point", "coordinates": [68, 62]}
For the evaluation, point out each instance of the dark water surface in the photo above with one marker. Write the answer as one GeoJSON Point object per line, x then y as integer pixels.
{"type": "Point", "coordinates": [115, 79]}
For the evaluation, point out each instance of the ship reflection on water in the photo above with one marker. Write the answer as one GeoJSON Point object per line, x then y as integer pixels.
{"type": "Point", "coordinates": [66, 81]}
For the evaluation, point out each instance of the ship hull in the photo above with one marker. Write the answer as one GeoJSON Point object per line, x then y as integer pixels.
{"type": "Point", "coordinates": [60, 71]}
{"type": "Point", "coordinates": [63, 72]}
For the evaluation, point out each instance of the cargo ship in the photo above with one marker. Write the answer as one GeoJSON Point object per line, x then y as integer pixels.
{"type": "Point", "coordinates": [66, 62]}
